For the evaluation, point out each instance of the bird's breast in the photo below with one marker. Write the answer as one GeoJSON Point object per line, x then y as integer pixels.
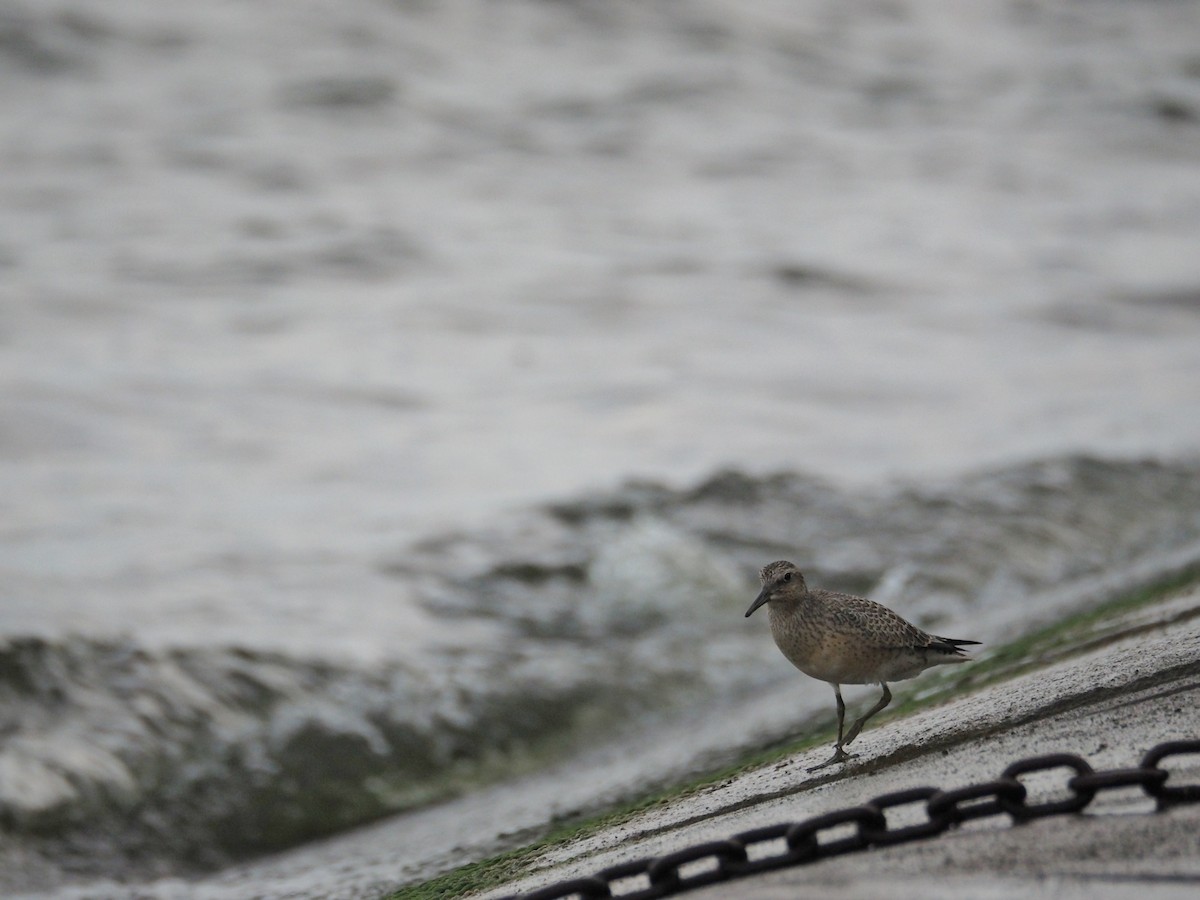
{"type": "Point", "coordinates": [822, 654]}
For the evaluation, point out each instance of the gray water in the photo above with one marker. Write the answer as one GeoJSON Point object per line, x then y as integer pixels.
{"type": "Point", "coordinates": [394, 396]}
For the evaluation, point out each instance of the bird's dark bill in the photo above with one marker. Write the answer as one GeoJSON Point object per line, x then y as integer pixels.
{"type": "Point", "coordinates": [758, 601]}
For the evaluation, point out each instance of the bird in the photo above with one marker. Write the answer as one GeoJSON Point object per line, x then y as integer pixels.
{"type": "Point", "coordinates": [843, 639]}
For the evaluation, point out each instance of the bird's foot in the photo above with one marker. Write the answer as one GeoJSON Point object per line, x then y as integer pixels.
{"type": "Point", "coordinates": [839, 755]}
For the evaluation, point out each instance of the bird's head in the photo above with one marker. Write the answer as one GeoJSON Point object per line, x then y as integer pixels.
{"type": "Point", "coordinates": [779, 580]}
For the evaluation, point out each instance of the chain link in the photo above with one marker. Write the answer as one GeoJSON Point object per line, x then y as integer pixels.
{"type": "Point", "coordinates": [1077, 800]}
{"type": "Point", "coordinates": [1187, 793]}
{"type": "Point", "coordinates": [680, 871]}
{"type": "Point", "coordinates": [885, 837]}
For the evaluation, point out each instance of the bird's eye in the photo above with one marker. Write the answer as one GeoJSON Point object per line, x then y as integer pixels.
{"type": "Point", "coordinates": [787, 577]}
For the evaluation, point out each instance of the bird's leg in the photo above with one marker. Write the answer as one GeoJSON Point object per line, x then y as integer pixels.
{"type": "Point", "coordinates": [838, 753]}
{"type": "Point", "coordinates": [857, 726]}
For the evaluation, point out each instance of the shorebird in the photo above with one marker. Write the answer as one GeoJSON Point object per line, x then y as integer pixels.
{"type": "Point", "coordinates": [843, 639]}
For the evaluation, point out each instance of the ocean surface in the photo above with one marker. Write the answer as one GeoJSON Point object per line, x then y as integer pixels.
{"type": "Point", "coordinates": [397, 399]}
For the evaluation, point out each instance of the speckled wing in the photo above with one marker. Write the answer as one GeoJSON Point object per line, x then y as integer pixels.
{"type": "Point", "coordinates": [866, 620]}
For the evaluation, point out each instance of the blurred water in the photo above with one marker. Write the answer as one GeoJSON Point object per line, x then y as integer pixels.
{"type": "Point", "coordinates": [306, 310]}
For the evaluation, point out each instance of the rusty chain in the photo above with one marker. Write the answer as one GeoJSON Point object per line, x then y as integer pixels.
{"type": "Point", "coordinates": [664, 876]}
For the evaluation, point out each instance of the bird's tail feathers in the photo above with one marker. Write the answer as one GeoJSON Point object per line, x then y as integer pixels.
{"type": "Point", "coordinates": [953, 646]}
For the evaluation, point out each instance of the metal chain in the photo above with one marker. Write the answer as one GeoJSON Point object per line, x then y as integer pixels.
{"type": "Point", "coordinates": [664, 876]}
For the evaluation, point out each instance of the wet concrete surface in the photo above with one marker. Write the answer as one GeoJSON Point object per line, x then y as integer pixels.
{"type": "Point", "coordinates": [1108, 706]}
